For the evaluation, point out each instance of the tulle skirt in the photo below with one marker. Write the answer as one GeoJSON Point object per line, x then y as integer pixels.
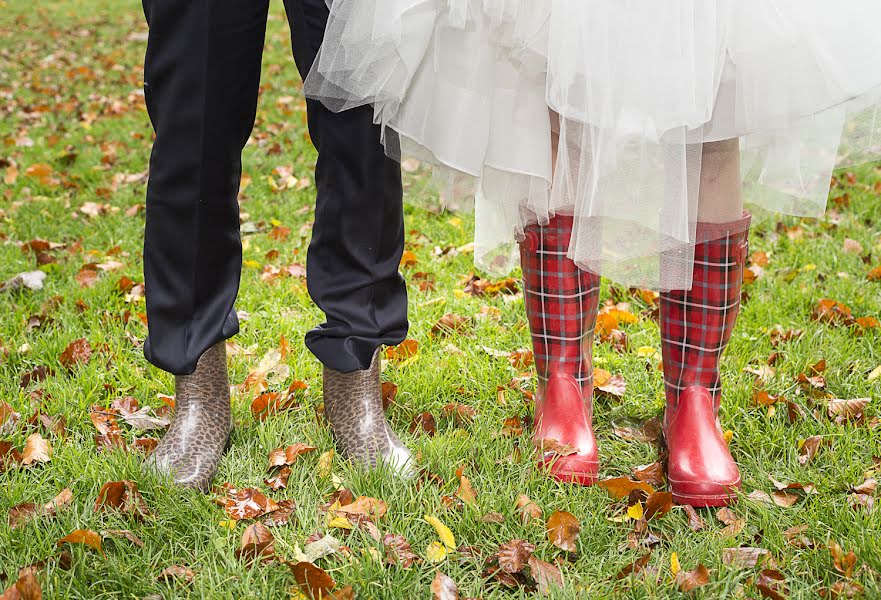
{"type": "Point", "coordinates": [631, 90]}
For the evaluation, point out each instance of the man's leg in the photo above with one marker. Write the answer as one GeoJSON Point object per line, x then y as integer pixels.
{"type": "Point", "coordinates": [354, 257]}
{"type": "Point", "coordinates": [201, 73]}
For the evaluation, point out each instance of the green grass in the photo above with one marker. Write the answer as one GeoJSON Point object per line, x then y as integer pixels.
{"type": "Point", "coordinates": [70, 75]}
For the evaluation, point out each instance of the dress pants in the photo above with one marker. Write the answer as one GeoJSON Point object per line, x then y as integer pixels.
{"type": "Point", "coordinates": [202, 74]}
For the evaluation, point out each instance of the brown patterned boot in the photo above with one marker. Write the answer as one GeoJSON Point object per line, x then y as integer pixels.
{"type": "Point", "coordinates": [191, 449]}
{"type": "Point", "coordinates": [353, 407]}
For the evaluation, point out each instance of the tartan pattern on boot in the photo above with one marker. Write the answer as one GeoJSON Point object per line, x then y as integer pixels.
{"type": "Point", "coordinates": [561, 302]}
{"type": "Point", "coordinates": [696, 324]}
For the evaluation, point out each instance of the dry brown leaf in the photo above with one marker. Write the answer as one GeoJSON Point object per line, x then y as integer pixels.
{"type": "Point", "coordinates": [695, 522]}
{"type": "Point", "coordinates": [424, 422]}
{"type": "Point", "coordinates": [26, 586]}
{"type": "Point", "coordinates": [444, 588]}
{"type": "Point", "coordinates": [465, 492]}
{"type": "Point", "coordinates": [563, 529]}
{"type": "Point", "coordinates": [843, 589]}
{"type": "Point", "coordinates": [398, 551]}
{"type": "Point", "coordinates": [451, 324]}
{"type": "Point", "coordinates": [635, 567]}
{"type": "Point", "coordinates": [85, 537]}
{"type": "Point", "coordinates": [847, 409]}
{"type": "Point", "coordinates": [279, 480]}
{"type": "Point", "coordinates": [546, 575]}
{"type": "Point", "coordinates": [123, 497]}
{"type": "Point", "coordinates": [514, 555]}
{"type": "Point", "coordinates": [364, 506]}
{"type": "Point", "coordinates": [78, 352]}
{"type": "Point", "coordinates": [404, 351]}
{"type": "Point", "coordinates": [843, 563]}
{"type": "Point", "coordinates": [179, 573]}
{"type": "Point", "coordinates": [281, 457]}
{"type": "Point", "coordinates": [312, 581]}
{"type": "Point", "coordinates": [658, 504]}
{"type": "Point", "coordinates": [528, 509]}
{"type": "Point", "coordinates": [550, 446]}
{"type": "Point", "coordinates": [733, 524]}
{"type": "Point", "coordinates": [771, 584]}
{"type": "Point", "coordinates": [248, 503]}
{"type": "Point", "coordinates": [689, 580]}
{"type": "Point", "coordinates": [621, 487]}
{"type": "Point", "coordinates": [744, 557]}
{"type": "Point", "coordinates": [36, 450]}
{"type": "Point", "coordinates": [256, 541]}
{"type": "Point", "coordinates": [652, 474]}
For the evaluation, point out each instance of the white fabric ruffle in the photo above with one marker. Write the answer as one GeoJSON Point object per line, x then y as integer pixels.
{"type": "Point", "coordinates": [634, 88]}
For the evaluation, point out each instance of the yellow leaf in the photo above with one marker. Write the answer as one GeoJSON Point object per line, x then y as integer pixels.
{"type": "Point", "coordinates": [436, 552]}
{"type": "Point", "coordinates": [325, 464]}
{"type": "Point", "coordinates": [729, 435]}
{"type": "Point", "coordinates": [337, 521]}
{"type": "Point", "coordinates": [646, 352]}
{"type": "Point", "coordinates": [601, 377]}
{"type": "Point", "coordinates": [228, 524]}
{"type": "Point", "coordinates": [635, 512]}
{"type": "Point", "coordinates": [809, 267]}
{"type": "Point", "coordinates": [875, 374]}
{"type": "Point", "coordinates": [674, 563]}
{"type": "Point", "coordinates": [460, 294]}
{"type": "Point", "coordinates": [251, 264]}
{"type": "Point", "coordinates": [443, 531]}
{"type": "Point", "coordinates": [455, 221]}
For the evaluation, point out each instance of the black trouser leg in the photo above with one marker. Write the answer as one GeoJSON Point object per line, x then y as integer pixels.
{"type": "Point", "coordinates": [202, 72]}
{"type": "Point", "coordinates": [358, 235]}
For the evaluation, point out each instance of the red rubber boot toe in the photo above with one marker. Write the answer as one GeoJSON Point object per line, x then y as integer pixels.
{"type": "Point", "coordinates": [563, 417]}
{"type": "Point", "coordinates": [700, 469]}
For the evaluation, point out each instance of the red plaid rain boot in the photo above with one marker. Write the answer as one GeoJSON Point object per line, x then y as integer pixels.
{"type": "Point", "coordinates": [561, 305]}
{"type": "Point", "coordinates": [695, 328]}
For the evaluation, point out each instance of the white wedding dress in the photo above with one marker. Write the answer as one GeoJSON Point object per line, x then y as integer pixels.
{"type": "Point", "coordinates": [633, 87]}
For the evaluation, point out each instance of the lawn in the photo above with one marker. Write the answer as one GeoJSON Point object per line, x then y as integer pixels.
{"type": "Point", "coordinates": [75, 144]}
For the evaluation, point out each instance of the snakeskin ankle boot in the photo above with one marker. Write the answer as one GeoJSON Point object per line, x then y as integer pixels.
{"type": "Point", "coordinates": [191, 449]}
{"type": "Point", "coordinates": [353, 407]}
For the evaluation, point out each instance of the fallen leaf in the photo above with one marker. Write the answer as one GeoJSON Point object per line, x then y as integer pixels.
{"type": "Point", "coordinates": [124, 533]}
{"type": "Point", "coordinates": [843, 589]}
{"type": "Point", "coordinates": [86, 537]}
{"type": "Point", "coordinates": [545, 574]}
{"type": "Point", "coordinates": [256, 541]}
{"type": "Point", "coordinates": [465, 492]}
{"type": "Point", "coordinates": [658, 504]}
{"type": "Point", "coordinates": [30, 280]}
{"type": "Point", "coordinates": [179, 573]}
{"type": "Point", "coordinates": [771, 584]}
{"type": "Point", "coordinates": [402, 352]}
{"type": "Point", "coordinates": [78, 352]}
{"type": "Point", "coordinates": [26, 586]}
{"type": "Point", "coordinates": [514, 555]}
{"type": "Point", "coordinates": [795, 536]}
{"type": "Point", "coordinates": [311, 580]}
{"type": "Point", "coordinates": [248, 503]}
{"type": "Point", "coordinates": [695, 522]}
{"type": "Point", "coordinates": [424, 422]}
{"type": "Point", "coordinates": [444, 588]}
{"type": "Point", "coordinates": [528, 509]}
{"type": "Point", "coordinates": [446, 536]}
{"type": "Point", "coordinates": [563, 529]}
{"type": "Point", "coordinates": [550, 446]}
{"type": "Point", "coordinates": [122, 496]}
{"type": "Point", "coordinates": [689, 580]}
{"type": "Point", "coordinates": [620, 487]}
{"type": "Point", "coordinates": [847, 409]}
{"type": "Point", "coordinates": [279, 480]}
{"type": "Point", "coordinates": [843, 563]}
{"type": "Point", "coordinates": [734, 524]}
{"type": "Point", "coordinates": [36, 450]}
{"type": "Point", "coordinates": [743, 558]}
{"type": "Point", "coordinates": [398, 551]}
{"type": "Point", "coordinates": [287, 456]}
{"type": "Point", "coordinates": [809, 449]}
{"type": "Point", "coordinates": [635, 567]}
{"type": "Point", "coordinates": [451, 324]}
{"type": "Point", "coordinates": [652, 474]}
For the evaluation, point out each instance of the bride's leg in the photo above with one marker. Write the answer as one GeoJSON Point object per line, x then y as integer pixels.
{"type": "Point", "coordinates": [696, 326]}
{"type": "Point", "coordinates": [561, 306]}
